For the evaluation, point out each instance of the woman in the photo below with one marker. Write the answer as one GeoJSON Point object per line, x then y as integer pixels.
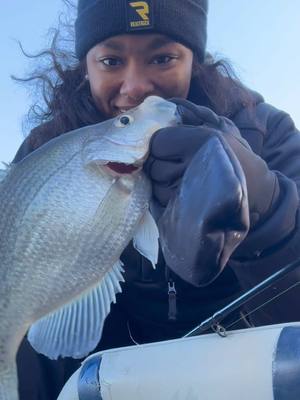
{"type": "Point", "coordinates": [225, 188]}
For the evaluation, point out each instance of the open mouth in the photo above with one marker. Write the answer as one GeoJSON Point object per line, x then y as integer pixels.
{"type": "Point", "coordinates": [121, 168]}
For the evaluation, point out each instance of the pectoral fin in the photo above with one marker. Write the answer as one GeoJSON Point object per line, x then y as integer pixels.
{"type": "Point", "coordinates": [145, 239]}
{"type": "Point", "coordinates": [76, 329]}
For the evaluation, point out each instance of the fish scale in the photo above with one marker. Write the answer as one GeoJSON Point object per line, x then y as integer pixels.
{"type": "Point", "coordinates": [65, 219]}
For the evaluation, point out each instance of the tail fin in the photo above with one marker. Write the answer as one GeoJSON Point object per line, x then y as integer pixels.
{"type": "Point", "coordinates": [9, 383]}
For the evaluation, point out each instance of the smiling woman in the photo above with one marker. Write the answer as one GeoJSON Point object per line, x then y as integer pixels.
{"type": "Point", "coordinates": [124, 70]}
{"type": "Point", "coordinates": [74, 96]}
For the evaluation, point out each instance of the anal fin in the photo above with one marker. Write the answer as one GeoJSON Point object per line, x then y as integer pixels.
{"type": "Point", "coordinates": [75, 330]}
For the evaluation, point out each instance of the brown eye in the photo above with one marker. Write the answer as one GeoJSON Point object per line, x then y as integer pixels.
{"type": "Point", "coordinates": [110, 62]}
{"type": "Point", "coordinates": [163, 59]}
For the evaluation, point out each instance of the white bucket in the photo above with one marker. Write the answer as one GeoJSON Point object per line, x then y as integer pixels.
{"type": "Point", "coordinates": [255, 363]}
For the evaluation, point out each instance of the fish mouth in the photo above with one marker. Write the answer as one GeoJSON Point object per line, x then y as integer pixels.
{"type": "Point", "coordinates": [121, 168]}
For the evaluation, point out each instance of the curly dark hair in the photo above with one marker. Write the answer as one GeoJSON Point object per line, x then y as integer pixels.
{"type": "Point", "coordinates": [65, 99]}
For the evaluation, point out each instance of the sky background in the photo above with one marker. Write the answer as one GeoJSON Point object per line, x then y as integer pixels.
{"type": "Point", "coordinates": [261, 38]}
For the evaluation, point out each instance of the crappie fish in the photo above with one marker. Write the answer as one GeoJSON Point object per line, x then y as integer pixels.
{"type": "Point", "coordinates": [67, 211]}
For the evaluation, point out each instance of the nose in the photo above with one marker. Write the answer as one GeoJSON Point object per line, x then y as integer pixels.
{"type": "Point", "coordinates": [136, 84]}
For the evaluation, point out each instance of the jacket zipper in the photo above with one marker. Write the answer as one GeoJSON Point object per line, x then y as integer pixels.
{"type": "Point", "coordinates": [172, 299]}
{"type": "Point", "coordinates": [172, 314]}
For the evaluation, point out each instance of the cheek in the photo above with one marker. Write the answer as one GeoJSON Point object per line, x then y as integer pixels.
{"type": "Point", "coordinates": [185, 78]}
{"type": "Point", "coordinates": [98, 86]}
{"type": "Point", "coordinates": [101, 91]}
{"type": "Point", "coordinates": [177, 83]}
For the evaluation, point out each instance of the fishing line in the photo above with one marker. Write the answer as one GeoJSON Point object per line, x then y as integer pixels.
{"type": "Point", "coordinates": [214, 322]}
{"type": "Point", "coordinates": [262, 305]}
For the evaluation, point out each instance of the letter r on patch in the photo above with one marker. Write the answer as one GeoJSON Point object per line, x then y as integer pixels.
{"type": "Point", "coordinates": [142, 8]}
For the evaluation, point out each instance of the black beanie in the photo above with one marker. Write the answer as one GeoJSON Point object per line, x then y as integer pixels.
{"type": "Point", "coordinates": [185, 21]}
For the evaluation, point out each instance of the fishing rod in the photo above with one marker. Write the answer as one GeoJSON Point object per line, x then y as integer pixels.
{"type": "Point", "coordinates": [214, 321]}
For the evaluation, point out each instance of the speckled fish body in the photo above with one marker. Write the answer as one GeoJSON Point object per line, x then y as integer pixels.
{"type": "Point", "coordinates": [66, 215]}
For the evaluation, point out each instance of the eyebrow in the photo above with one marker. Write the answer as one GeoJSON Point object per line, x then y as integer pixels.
{"type": "Point", "coordinates": [155, 44]}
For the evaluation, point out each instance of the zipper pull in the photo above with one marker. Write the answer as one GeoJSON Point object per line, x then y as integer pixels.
{"type": "Point", "coordinates": [172, 301]}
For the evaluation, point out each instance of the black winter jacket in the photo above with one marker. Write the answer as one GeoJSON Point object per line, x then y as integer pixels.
{"type": "Point", "coordinates": [145, 310]}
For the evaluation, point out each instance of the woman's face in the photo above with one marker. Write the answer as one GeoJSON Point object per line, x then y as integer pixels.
{"type": "Point", "coordinates": [123, 70]}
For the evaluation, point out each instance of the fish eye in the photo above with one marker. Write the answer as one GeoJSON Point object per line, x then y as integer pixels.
{"type": "Point", "coordinates": [123, 120]}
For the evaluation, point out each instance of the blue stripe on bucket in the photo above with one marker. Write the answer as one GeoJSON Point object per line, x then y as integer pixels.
{"type": "Point", "coordinates": [88, 383]}
{"type": "Point", "coordinates": [286, 365]}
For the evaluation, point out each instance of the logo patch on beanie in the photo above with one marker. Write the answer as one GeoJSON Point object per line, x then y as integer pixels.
{"type": "Point", "coordinates": [139, 15]}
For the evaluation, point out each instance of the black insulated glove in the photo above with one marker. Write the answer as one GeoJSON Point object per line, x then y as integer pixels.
{"type": "Point", "coordinates": [214, 189]}
{"type": "Point", "coordinates": [262, 184]}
